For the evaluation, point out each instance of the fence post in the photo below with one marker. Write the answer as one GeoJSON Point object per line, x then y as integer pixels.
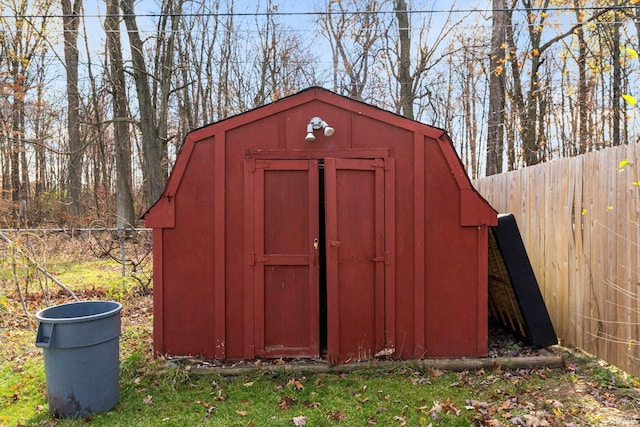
{"type": "Point", "coordinates": [121, 234]}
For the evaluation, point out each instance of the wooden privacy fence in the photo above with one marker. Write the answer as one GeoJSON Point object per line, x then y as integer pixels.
{"type": "Point", "coordinates": [580, 221]}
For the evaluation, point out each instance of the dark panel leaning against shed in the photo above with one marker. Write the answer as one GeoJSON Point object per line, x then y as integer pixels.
{"type": "Point", "coordinates": [514, 295]}
{"type": "Point", "coordinates": [319, 226]}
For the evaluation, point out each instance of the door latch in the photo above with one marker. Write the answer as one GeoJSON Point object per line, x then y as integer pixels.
{"type": "Point", "coordinates": [316, 245]}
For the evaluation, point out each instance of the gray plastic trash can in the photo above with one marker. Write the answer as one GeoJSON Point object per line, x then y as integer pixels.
{"type": "Point", "coordinates": [80, 342]}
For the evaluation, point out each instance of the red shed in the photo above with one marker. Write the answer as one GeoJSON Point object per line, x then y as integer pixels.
{"type": "Point", "coordinates": [319, 226]}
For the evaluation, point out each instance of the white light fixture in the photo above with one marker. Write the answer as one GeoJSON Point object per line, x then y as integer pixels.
{"type": "Point", "coordinates": [317, 123]}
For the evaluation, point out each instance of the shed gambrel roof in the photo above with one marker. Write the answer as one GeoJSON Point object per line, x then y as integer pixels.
{"type": "Point", "coordinates": [475, 210]}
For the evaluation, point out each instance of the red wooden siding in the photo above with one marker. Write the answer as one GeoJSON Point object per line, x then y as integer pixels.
{"type": "Point", "coordinates": [238, 255]}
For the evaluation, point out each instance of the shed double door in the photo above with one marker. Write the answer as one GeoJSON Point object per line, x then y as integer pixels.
{"type": "Point", "coordinates": [290, 260]}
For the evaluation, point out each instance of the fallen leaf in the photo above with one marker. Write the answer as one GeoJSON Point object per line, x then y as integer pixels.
{"type": "Point", "coordinates": [286, 402]}
{"type": "Point", "coordinates": [507, 404]}
{"type": "Point", "coordinates": [300, 421]}
{"type": "Point", "coordinates": [210, 410]}
{"type": "Point", "coordinates": [534, 421]}
{"type": "Point", "coordinates": [402, 420]}
{"type": "Point", "coordinates": [337, 415]}
{"type": "Point", "coordinates": [436, 373]}
{"type": "Point", "coordinates": [475, 404]}
{"type": "Point", "coordinates": [449, 407]}
{"type": "Point", "coordinates": [148, 400]}
{"type": "Point", "coordinates": [242, 413]}
{"type": "Point", "coordinates": [385, 352]}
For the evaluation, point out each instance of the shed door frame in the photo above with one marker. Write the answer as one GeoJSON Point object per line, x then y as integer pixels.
{"type": "Point", "coordinates": [384, 259]}
{"type": "Point", "coordinates": [383, 287]}
{"type": "Point", "coordinates": [260, 261]}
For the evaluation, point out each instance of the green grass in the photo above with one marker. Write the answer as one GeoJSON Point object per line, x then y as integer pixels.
{"type": "Point", "coordinates": [90, 273]}
{"type": "Point", "coordinates": [23, 387]}
{"type": "Point", "coordinates": [157, 392]}
{"type": "Point", "coordinates": [104, 275]}
{"type": "Point", "coordinates": [160, 393]}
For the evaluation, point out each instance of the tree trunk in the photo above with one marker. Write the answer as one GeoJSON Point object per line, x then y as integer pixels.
{"type": "Point", "coordinates": [70, 22]}
{"type": "Point", "coordinates": [583, 109]}
{"type": "Point", "coordinates": [617, 79]}
{"type": "Point", "coordinates": [152, 173]}
{"type": "Point", "coordinates": [101, 176]}
{"type": "Point", "coordinates": [124, 196]}
{"type": "Point", "coordinates": [16, 145]}
{"type": "Point", "coordinates": [166, 58]}
{"type": "Point", "coordinates": [495, 133]}
{"type": "Point", "coordinates": [404, 60]}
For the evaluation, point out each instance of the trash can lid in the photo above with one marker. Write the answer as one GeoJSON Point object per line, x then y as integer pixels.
{"type": "Point", "coordinates": [78, 311]}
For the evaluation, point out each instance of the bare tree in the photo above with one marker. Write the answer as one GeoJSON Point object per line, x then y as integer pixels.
{"type": "Point", "coordinates": [153, 129]}
{"type": "Point", "coordinates": [223, 98]}
{"type": "Point", "coordinates": [101, 177]}
{"type": "Point", "coordinates": [354, 39]}
{"type": "Point", "coordinates": [197, 55]}
{"type": "Point", "coordinates": [584, 141]}
{"type": "Point", "coordinates": [280, 63]}
{"type": "Point", "coordinates": [124, 195]}
{"type": "Point", "coordinates": [70, 23]}
{"type": "Point", "coordinates": [527, 102]}
{"type": "Point", "coordinates": [413, 62]}
{"type": "Point", "coordinates": [21, 39]}
{"type": "Point", "coordinates": [616, 81]}
{"type": "Point", "coordinates": [495, 134]}
{"type": "Point", "coordinates": [40, 122]}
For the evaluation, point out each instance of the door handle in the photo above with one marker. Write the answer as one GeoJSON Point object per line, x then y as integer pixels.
{"type": "Point", "coordinates": [316, 245]}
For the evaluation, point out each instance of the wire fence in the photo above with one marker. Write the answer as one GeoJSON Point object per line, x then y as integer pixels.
{"type": "Point", "coordinates": [34, 256]}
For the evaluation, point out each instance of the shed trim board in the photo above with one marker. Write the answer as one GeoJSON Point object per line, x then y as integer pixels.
{"type": "Point", "coordinates": [267, 245]}
{"type": "Point", "coordinates": [262, 306]}
{"type": "Point", "coordinates": [390, 254]}
{"type": "Point", "coordinates": [419, 248]}
{"type": "Point", "coordinates": [219, 245]}
{"type": "Point", "coordinates": [158, 320]}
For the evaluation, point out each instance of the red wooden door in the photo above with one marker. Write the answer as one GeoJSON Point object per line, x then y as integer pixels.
{"type": "Point", "coordinates": [286, 293]}
{"type": "Point", "coordinates": [355, 244]}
